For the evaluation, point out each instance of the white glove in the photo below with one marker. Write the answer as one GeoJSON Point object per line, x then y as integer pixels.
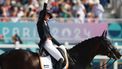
{"type": "Point", "coordinates": [46, 1]}
{"type": "Point", "coordinates": [62, 46]}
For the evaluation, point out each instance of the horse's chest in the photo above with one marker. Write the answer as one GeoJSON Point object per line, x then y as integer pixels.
{"type": "Point", "coordinates": [46, 62]}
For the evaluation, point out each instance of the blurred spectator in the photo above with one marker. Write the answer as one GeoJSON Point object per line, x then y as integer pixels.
{"type": "Point", "coordinates": [87, 6]}
{"type": "Point", "coordinates": [104, 2]}
{"type": "Point", "coordinates": [81, 12]}
{"type": "Point", "coordinates": [97, 9]}
{"type": "Point", "coordinates": [59, 8]}
{"type": "Point", "coordinates": [90, 18]}
{"type": "Point", "coordinates": [16, 38]}
{"type": "Point", "coordinates": [66, 9]}
{"type": "Point", "coordinates": [20, 12]}
{"type": "Point", "coordinates": [5, 11]}
{"type": "Point", "coordinates": [2, 2]}
{"type": "Point", "coordinates": [24, 2]}
{"type": "Point", "coordinates": [1, 11]}
{"type": "Point", "coordinates": [1, 38]}
{"type": "Point", "coordinates": [14, 11]}
{"type": "Point", "coordinates": [74, 8]}
{"type": "Point", "coordinates": [55, 8]}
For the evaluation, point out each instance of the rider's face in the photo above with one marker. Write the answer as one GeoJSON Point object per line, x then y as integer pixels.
{"type": "Point", "coordinates": [47, 17]}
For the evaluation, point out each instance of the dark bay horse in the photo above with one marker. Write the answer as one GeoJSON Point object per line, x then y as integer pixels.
{"type": "Point", "coordinates": [80, 55]}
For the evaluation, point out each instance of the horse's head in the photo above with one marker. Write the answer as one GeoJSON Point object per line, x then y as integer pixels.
{"type": "Point", "coordinates": [107, 48]}
{"type": "Point", "coordinates": [84, 52]}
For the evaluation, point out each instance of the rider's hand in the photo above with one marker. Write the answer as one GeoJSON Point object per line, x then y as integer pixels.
{"type": "Point", "coordinates": [46, 1]}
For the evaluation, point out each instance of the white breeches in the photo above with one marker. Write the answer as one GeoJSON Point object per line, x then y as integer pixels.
{"type": "Point", "coordinates": [52, 50]}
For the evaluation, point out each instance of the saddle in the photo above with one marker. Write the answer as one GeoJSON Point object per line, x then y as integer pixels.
{"type": "Point", "coordinates": [48, 62]}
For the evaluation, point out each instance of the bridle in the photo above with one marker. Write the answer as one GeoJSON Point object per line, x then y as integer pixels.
{"type": "Point", "coordinates": [110, 50]}
{"type": "Point", "coordinates": [107, 63]}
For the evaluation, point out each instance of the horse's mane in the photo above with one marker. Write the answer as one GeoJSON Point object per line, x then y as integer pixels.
{"type": "Point", "coordinates": [86, 42]}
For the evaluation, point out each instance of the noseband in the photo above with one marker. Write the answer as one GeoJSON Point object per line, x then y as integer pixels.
{"type": "Point", "coordinates": [111, 50]}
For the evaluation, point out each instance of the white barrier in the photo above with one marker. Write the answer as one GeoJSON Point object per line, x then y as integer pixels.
{"type": "Point", "coordinates": [19, 46]}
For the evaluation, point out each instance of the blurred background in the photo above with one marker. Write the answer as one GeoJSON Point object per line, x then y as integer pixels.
{"type": "Point", "coordinates": [73, 21]}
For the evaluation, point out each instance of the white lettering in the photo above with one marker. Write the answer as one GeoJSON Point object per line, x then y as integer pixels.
{"type": "Point", "coordinates": [77, 33]}
{"type": "Point", "coordinates": [5, 31]}
{"type": "Point", "coordinates": [26, 32]}
{"type": "Point", "coordinates": [15, 31]}
{"type": "Point", "coordinates": [87, 33]}
{"type": "Point", "coordinates": [66, 32]}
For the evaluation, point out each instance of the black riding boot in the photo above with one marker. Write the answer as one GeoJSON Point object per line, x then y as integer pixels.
{"type": "Point", "coordinates": [59, 64]}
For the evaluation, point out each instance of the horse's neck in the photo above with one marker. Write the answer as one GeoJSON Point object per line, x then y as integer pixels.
{"type": "Point", "coordinates": [82, 54]}
{"type": "Point", "coordinates": [82, 57]}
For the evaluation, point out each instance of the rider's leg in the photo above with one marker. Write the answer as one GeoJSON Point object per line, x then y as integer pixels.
{"type": "Point", "coordinates": [52, 50]}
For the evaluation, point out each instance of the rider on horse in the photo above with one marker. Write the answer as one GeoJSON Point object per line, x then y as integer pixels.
{"type": "Point", "coordinates": [47, 39]}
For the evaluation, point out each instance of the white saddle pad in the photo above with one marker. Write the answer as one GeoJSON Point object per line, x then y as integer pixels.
{"type": "Point", "coordinates": [46, 62]}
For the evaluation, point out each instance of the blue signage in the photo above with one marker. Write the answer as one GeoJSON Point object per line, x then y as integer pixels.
{"type": "Point", "coordinates": [63, 32]}
{"type": "Point", "coordinates": [115, 30]}
{"type": "Point", "coordinates": [27, 31]}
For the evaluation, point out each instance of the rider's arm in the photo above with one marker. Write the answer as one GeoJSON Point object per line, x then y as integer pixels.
{"type": "Point", "coordinates": [55, 41]}
{"type": "Point", "coordinates": [40, 21]}
{"type": "Point", "coordinates": [42, 14]}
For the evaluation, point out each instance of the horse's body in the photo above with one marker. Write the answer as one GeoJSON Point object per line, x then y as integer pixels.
{"type": "Point", "coordinates": [81, 54]}
{"type": "Point", "coordinates": [19, 59]}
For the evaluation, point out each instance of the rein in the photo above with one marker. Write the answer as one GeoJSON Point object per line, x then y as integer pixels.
{"type": "Point", "coordinates": [97, 67]}
{"type": "Point", "coordinates": [102, 66]}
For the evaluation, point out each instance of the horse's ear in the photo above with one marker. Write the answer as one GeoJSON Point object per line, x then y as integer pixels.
{"type": "Point", "coordinates": [104, 34]}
